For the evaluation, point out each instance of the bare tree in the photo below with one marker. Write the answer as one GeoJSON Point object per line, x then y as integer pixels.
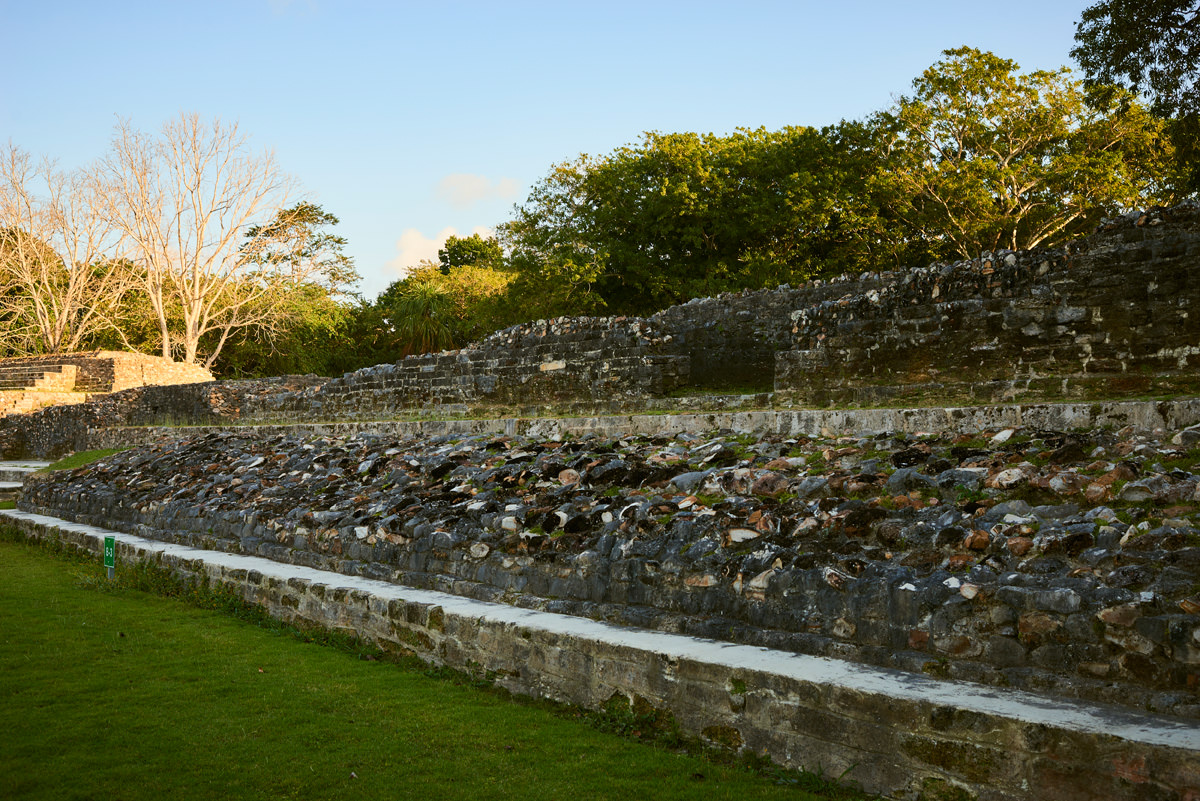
{"type": "Point", "coordinates": [185, 201]}
{"type": "Point", "coordinates": [61, 278]}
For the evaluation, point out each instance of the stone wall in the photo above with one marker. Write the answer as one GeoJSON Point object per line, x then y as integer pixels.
{"type": "Point", "coordinates": [112, 371]}
{"type": "Point", "coordinates": [731, 340]}
{"type": "Point", "coordinates": [1118, 313]}
{"type": "Point", "coordinates": [1047, 561]}
{"type": "Point", "coordinates": [57, 430]}
{"type": "Point", "coordinates": [1115, 315]}
{"type": "Point", "coordinates": [543, 362]}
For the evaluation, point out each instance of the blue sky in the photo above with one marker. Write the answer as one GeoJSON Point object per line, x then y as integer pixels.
{"type": "Point", "coordinates": [413, 120]}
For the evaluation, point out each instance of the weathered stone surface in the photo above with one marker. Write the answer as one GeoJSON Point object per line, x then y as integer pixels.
{"type": "Point", "coordinates": [811, 551]}
{"type": "Point", "coordinates": [1117, 311]}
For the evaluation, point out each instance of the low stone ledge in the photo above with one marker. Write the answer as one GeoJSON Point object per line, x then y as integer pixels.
{"type": "Point", "coordinates": [1143, 415]}
{"type": "Point", "coordinates": [903, 735]}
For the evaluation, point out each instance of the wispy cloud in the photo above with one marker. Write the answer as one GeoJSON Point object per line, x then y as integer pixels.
{"type": "Point", "coordinates": [413, 247]}
{"type": "Point", "coordinates": [463, 189]}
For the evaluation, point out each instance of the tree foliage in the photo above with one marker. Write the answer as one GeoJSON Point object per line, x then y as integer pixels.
{"type": "Point", "coordinates": [473, 250]}
{"type": "Point", "coordinates": [178, 242]}
{"type": "Point", "coordinates": [299, 249]}
{"type": "Point", "coordinates": [59, 284]}
{"type": "Point", "coordinates": [680, 215]}
{"type": "Point", "coordinates": [429, 310]}
{"type": "Point", "coordinates": [981, 156]}
{"type": "Point", "coordinates": [1149, 46]}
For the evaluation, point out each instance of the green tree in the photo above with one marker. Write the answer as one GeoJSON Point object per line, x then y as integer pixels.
{"type": "Point", "coordinates": [314, 340]}
{"type": "Point", "coordinates": [430, 310]}
{"type": "Point", "coordinates": [556, 261]}
{"type": "Point", "coordinates": [295, 240]}
{"type": "Point", "coordinates": [680, 215]}
{"type": "Point", "coordinates": [983, 157]}
{"type": "Point", "coordinates": [308, 306]}
{"type": "Point", "coordinates": [473, 250]}
{"type": "Point", "coordinates": [1152, 47]}
{"type": "Point", "coordinates": [421, 318]}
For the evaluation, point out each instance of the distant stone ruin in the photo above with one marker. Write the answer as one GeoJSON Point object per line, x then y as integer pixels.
{"type": "Point", "coordinates": [1114, 315]}
{"type": "Point", "coordinates": [100, 371]}
{"type": "Point", "coordinates": [55, 381]}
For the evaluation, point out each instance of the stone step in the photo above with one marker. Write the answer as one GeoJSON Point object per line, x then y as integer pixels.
{"type": "Point", "coordinates": [46, 377]}
{"type": "Point", "coordinates": [892, 732]}
{"type": "Point", "coordinates": [16, 471]}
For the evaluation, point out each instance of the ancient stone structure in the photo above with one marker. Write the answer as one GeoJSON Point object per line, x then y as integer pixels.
{"type": "Point", "coordinates": [37, 382]}
{"type": "Point", "coordinates": [1065, 563]}
{"type": "Point", "coordinates": [1118, 313]}
{"type": "Point", "coordinates": [1046, 548]}
{"type": "Point", "coordinates": [100, 371]}
{"type": "Point", "coordinates": [65, 428]}
{"type": "Point", "coordinates": [1114, 315]}
{"type": "Point", "coordinates": [546, 362]}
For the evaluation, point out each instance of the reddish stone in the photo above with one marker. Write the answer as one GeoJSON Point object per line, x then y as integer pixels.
{"type": "Point", "coordinates": [1035, 628]}
{"type": "Point", "coordinates": [977, 540]}
{"type": "Point", "coordinates": [1131, 769]}
{"type": "Point", "coordinates": [1019, 546]}
{"type": "Point", "coordinates": [770, 485]}
{"type": "Point", "coordinates": [960, 561]}
{"type": "Point", "coordinates": [1124, 615]}
{"type": "Point", "coordinates": [918, 640]}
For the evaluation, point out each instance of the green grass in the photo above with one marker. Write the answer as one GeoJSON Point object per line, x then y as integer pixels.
{"type": "Point", "coordinates": [82, 458]}
{"type": "Point", "coordinates": [111, 691]}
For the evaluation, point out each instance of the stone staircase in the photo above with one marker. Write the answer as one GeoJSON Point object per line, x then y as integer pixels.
{"type": "Point", "coordinates": [27, 388]}
{"type": "Point", "coordinates": [12, 475]}
{"type": "Point", "coordinates": [39, 378]}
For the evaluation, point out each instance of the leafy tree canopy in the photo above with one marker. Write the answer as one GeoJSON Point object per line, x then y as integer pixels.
{"type": "Point", "coordinates": [981, 156]}
{"type": "Point", "coordinates": [1149, 46]}
{"type": "Point", "coordinates": [472, 250]}
{"type": "Point", "coordinates": [295, 238]}
{"type": "Point", "coordinates": [677, 216]}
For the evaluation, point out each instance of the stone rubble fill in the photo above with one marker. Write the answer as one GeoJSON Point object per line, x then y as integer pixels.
{"type": "Point", "coordinates": [1058, 561]}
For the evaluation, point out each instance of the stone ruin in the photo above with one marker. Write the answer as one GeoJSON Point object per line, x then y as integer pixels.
{"type": "Point", "coordinates": [28, 383]}
{"type": "Point", "coordinates": [1050, 548]}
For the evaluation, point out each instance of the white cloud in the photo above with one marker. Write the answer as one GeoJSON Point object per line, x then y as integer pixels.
{"type": "Point", "coordinates": [413, 246]}
{"type": "Point", "coordinates": [462, 189]}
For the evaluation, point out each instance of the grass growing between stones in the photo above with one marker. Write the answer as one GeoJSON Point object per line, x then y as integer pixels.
{"type": "Point", "coordinates": [82, 458]}
{"type": "Point", "coordinates": [114, 691]}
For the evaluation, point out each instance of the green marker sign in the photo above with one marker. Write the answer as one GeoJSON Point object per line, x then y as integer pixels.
{"type": "Point", "coordinates": [110, 554]}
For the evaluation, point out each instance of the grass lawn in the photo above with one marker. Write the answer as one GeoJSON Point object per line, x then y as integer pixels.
{"type": "Point", "coordinates": [116, 693]}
